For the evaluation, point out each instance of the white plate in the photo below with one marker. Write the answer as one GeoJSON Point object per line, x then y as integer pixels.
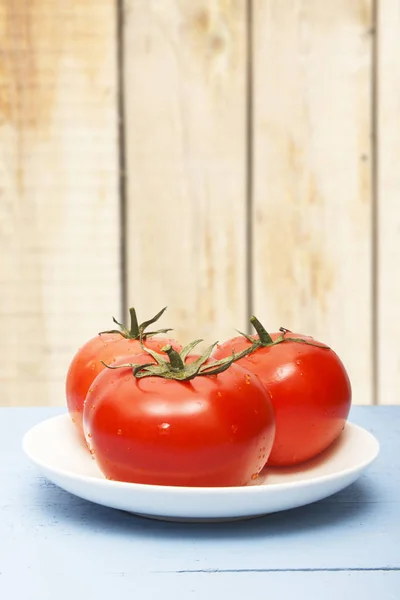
{"type": "Point", "coordinates": [55, 447]}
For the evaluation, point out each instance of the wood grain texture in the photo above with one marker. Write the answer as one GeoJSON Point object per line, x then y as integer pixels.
{"type": "Point", "coordinates": [284, 585]}
{"type": "Point", "coordinates": [388, 224]}
{"type": "Point", "coordinates": [312, 175]}
{"type": "Point", "coordinates": [186, 163]}
{"type": "Point", "coordinates": [59, 241]}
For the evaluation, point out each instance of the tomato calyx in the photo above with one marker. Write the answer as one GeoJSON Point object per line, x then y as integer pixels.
{"type": "Point", "coordinates": [264, 340]}
{"type": "Point", "coordinates": [176, 367]}
{"type": "Point", "coordinates": [136, 331]}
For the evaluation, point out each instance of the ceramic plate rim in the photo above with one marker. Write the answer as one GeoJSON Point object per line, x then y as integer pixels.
{"type": "Point", "coordinates": [237, 490]}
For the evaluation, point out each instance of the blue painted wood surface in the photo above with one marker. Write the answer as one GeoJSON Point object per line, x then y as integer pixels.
{"type": "Point", "coordinates": [53, 544]}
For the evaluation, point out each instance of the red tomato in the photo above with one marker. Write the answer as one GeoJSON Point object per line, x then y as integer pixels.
{"type": "Point", "coordinates": [107, 347]}
{"type": "Point", "coordinates": [214, 430]}
{"type": "Point", "coordinates": [310, 392]}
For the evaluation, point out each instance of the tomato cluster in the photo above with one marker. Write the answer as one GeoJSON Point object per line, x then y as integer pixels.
{"type": "Point", "coordinates": [153, 412]}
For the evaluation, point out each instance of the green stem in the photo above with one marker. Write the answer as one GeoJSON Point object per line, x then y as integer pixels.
{"type": "Point", "coordinates": [176, 368]}
{"type": "Point", "coordinates": [175, 360]}
{"type": "Point", "coordinates": [137, 331]}
{"type": "Point", "coordinates": [134, 331]}
{"type": "Point", "coordinates": [264, 336]}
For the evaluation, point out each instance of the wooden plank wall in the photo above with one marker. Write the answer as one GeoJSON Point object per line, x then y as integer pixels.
{"type": "Point", "coordinates": [312, 174]}
{"type": "Point", "coordinates": [59, 206]}
{"type": "Point", "coordinates": [185, 104]}
{"type": "Point", "coordinates": [387, 227]}
{"type": "Point", "coordinates": [258, 154]}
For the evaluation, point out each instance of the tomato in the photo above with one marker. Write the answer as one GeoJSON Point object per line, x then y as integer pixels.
{"type": "Point", "coordinates": [310, 392]}
{"type": "Point", "coordinates": [107, 346]}
{"type": "Point", "coordinates": [211, 430]}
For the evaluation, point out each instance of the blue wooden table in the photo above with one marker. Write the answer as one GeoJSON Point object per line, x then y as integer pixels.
{"type": "Point", "coordinates": [56, 546]}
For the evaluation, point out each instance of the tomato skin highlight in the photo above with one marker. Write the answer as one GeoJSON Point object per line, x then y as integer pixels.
{"type": "Point", "coordinates": [211, 431]}
{"type": "Point", "coordinates": [310, 392]}
{"type": "Point", "coordinates": [86, 365]}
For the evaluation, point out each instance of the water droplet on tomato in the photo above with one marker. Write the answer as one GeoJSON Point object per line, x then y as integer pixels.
{"type": "Point", "coordinates": [164, 426]}
{"type": "Point", "coordinates": [93, 366]}
{"type": "Point", "coordinates": [298, 362]}
{"type": "Point", "coordinates": [234, 428]}
{"type": "Point", "coordinates": [119, 432]}
{"type": "Point", "coordinates": [219, 394]}
{"type": "Point", "coordinates": [254, 476]}
{"type": "Point", "coordinates": [90, 391]}
{"type": "Point", "coordinates": [89, 435]}
{"type": "Point", "coordinates": [91, 451]}
{"type": "Point", "coordinates": [247, 379]}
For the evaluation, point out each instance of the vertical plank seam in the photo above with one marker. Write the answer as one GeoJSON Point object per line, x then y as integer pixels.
{"type": "Point", "coordinates": [375, 200]}
{"type": "Point", "coordinates": [249, 160]}
{"type": "Point", "coordinates": [122, 192]}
